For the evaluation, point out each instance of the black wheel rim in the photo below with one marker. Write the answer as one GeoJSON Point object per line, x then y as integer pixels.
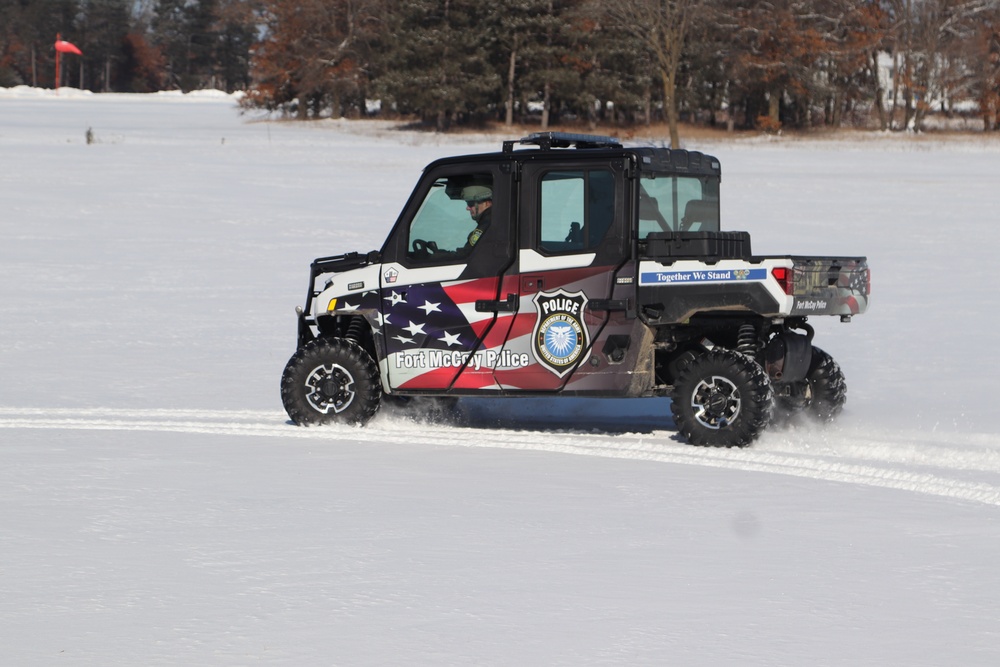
{"type": "Point", "coordinates": [330, 389]}
{"type": "Point", "coordinates": [716, 402]}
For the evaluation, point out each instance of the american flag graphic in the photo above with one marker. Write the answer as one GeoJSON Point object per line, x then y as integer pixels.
{"type": "Point", "coordinates": [431, 329]}
{"type": "Point", "coordinates": [424, 316]}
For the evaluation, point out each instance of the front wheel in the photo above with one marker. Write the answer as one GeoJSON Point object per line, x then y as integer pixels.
{"type": "Point", "coordinates": [721, 398]}
{"type": "Point", "coordinates": [331, 380]}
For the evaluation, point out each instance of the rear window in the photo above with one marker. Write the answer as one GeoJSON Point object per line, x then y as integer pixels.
{"type": "Point", "coordinates": [670, 203]}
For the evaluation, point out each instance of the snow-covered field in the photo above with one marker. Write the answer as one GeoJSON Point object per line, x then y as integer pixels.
{"type": "Point", "coordinates": [157, 509]}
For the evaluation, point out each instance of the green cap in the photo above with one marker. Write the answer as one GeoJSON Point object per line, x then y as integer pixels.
{"type": "Point", "coordinates": [476, 193]}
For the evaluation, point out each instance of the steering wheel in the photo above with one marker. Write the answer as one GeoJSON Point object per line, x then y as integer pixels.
{"type": "Point", "coordinates": [424, 248]}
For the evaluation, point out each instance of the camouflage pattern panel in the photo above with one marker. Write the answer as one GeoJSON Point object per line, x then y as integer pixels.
{"type": "Point", "coordinates": [830, 286]}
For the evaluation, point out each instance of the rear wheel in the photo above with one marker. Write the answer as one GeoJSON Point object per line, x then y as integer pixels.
{"type": "Point", "coordinates": [331, 380]}
{"type": "Point", "coordinates": [721, 398]}
{"type": "Point", "coordinates": [821, 395]}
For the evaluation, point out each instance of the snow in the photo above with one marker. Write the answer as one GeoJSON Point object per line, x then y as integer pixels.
{"type": "Point", "coordinates": [157, 508]}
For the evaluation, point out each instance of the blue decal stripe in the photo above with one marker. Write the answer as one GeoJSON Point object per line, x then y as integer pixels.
{"type": "Point", "coordinates": [705, 276]}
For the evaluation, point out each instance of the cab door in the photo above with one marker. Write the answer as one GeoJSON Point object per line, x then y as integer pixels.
{"type": "Point", "coordinates": [574, 279]}
{"type": "Point", "coordinates": [433, 278]}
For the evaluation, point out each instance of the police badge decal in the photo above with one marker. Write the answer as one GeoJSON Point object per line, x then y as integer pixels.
{"type": "Point", "coordinates": [560, 337]}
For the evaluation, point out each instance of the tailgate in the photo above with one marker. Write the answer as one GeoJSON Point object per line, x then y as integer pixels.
{"type": "Point", "coordinates": [829, 285]}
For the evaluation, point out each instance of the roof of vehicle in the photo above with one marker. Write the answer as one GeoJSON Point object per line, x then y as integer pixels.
{"type": "Point", "coordinates": [564, 145]}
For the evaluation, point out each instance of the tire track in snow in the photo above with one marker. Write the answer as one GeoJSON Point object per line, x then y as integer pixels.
{"type": "Point", "coordinates": [931, 465]}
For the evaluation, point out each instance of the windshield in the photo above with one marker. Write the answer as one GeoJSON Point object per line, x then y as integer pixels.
{"type": "Point", "coordinates": [671, 203]}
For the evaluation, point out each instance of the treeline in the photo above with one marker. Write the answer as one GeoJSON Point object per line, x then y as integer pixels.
{"type": "Point", "coordinates": [446, 63]}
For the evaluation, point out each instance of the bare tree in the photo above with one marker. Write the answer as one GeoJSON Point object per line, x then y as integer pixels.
{"type": "Point", "coordinates": [309, 56]}
{"type": "Point", "coordinates": [934, 52]}
{"type": "Point", "coordinates": [986, 73]}
{"type": "Point", "coordinates": [663, 26]}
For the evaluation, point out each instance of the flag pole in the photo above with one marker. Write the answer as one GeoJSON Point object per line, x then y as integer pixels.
{"type": "Point", "coordinates": [62, 47]}
{"type": "Point", "coordinates": [58, 53]}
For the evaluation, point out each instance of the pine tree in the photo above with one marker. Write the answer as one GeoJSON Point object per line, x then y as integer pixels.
{"type": "Point", "coordinates": [236, 30]}
{"type": "Point", "coordinates": [102, 26]}
{"type": "Point", "coordinates": [171, 28]}
{"type": "Point", "coordinates": [436, 61]}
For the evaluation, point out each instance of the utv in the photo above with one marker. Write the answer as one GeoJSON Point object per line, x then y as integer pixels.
{"type": "Point", "coordinates": [573, 267]}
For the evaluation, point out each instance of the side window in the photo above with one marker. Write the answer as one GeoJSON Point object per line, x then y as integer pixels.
{"type": "Point", "coordinates": [678, 204]}
{"type": "Point", "coordinates": [577, 209]}
{"type": "Point", "coordinates": [454, 215]}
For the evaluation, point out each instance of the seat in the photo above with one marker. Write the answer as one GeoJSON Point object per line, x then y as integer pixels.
{"type": "Point", "coordinates": [701, 211]}
{"type": "Point", "coordinates": [649, 209]}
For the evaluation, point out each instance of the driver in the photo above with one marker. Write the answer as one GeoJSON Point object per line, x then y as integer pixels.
{"type": "Point", "coordinates": [479, 203]}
